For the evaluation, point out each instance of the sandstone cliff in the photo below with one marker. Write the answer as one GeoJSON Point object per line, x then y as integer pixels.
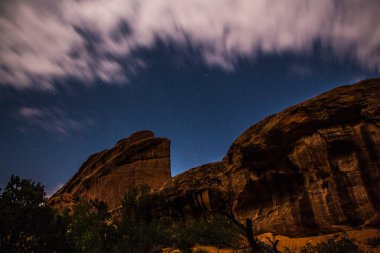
{"type": "Point", "coordinates": [139, 159]}
{"type": "Point", "coordinates": [314, 167]}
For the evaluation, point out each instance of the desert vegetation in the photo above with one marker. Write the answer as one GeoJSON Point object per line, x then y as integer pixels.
{"type": "Point", "coordinates": [29, 224]}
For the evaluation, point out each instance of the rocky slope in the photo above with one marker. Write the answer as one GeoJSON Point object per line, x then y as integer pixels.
{"type": "Point", "coordinates": [314, 167]}
{"type": "Point", "coordinates": [139, 159]}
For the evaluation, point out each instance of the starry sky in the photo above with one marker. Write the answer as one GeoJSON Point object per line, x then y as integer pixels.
{"type": "Point", "coordinates": [77, 76]}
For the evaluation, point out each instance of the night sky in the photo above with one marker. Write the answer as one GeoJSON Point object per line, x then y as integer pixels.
{"type": "Point", "coordinates": [77, 76]}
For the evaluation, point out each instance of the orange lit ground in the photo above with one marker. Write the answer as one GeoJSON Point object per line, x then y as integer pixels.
{"type": "Point", "coordinates": [360, 236]}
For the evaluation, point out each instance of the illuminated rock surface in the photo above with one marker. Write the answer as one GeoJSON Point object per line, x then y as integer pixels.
{"type": "Point", "coordinates": [107, 175]}
{"type": "Point", "coordinates": [314, 167]}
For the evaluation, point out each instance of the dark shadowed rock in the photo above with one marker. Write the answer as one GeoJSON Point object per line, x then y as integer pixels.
{"type": "Point", "coordinates": [314, 167]}
{"type": "Point", "coordinates": [196, 192]}
{"type": "Point", "coordinates": [139, 159]}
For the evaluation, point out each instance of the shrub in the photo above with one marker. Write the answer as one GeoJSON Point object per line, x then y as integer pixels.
{"type": "Point", "coordinates": [216, 231]}
{"type": "Point", "coordinates": [88, 230]}
{"type": "Point", "coordinates": [138, 230]}
{"type": "Point", "coordinates": [331, 245]}
{"type": "Point", "coordinates": [374, 242]}
{"type": "Point", "coordinates": [141, 231]}
{"type": "Point", "coordinates": [27, 223]}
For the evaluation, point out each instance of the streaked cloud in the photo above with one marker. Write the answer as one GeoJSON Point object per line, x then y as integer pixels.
{"type": "Point", "coordinates": [300, 70]}
{"type": "Point", "coordinates": [42, 40]}
{"type": "Point", "coordinates": [51, 119]}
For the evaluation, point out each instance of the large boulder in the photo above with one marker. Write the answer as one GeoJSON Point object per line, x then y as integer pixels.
{"type": "Point", "coordinates": [140, 159]}
{"type": "Point", "coordinates": [314, 167]}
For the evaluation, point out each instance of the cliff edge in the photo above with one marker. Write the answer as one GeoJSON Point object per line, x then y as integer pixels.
{"type": "Point", "coordinates": [139, 159]}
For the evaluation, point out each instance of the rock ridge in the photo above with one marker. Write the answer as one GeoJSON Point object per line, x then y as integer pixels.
{"type": "Point", "coordinates": [139, 159]}
{"type": "Point", "coordinates": [313, 167]}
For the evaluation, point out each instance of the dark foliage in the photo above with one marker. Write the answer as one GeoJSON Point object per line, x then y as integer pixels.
{"type": "Point", "coordinates": [341, 245]}
{"type": "Point", "coordinates": [137, 230]}
{"type": "Point", "coordinates": [374, 242]}
{"type": "Point", "coordinates": [27, 223]}
{"type": "Point", "coordinates": [216, 231]}
{"type": "Point", "coordinates": [88, 229]}
{"type": "Point", "coordinates": [142, 231]}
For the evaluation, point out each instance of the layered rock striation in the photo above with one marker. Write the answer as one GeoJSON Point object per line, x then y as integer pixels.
{"type": "Point", "coordinates": [314, 167]}
{"type": "Point", "coordinates": [139, 159]}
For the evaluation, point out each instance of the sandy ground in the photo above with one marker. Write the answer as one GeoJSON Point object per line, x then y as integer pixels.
{"type": "Point", "coordinates": [359, 236]}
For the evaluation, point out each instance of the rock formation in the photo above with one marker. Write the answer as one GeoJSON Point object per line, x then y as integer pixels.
{"type": "Point", "coordinates": [314, 167]}
{"type": "Point", "coordinates": [139, 159]}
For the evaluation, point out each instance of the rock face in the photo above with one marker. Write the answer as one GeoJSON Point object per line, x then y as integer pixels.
{"type": "Point", "coordinates": [314, 167]}
{"type": "Point", "coordinates": [139, 159]}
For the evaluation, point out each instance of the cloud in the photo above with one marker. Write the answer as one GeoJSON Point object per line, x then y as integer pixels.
{"type": "Point", "coordinates": [51, 119]}
{"type": "Point", "coordinates": [45, 40]}
{"type": "Point", "coordinates": [300, 70]}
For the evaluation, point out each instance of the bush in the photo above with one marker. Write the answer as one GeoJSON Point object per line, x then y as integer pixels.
{"type": "Point", "coordinates": [215, 231]}
{"type": "Point", "coordinates": [374, 242]}
{"type": "Point", "coordinates": [141, 231]}
{"type": "Point", "coordinates": [88, 230]}
{"type": "Point", "coordinates": [138, 230]}
{"type": "Point", "coordinates": [331, 245]}
{"type": "Point", "coordinates": [27, 223]}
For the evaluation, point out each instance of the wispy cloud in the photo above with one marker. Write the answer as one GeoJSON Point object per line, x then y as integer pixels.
{"type": "Point", "coordinates": [51, 119]}
{"type": "Point", "coordinates": [45, 40]}
{"type": "Point", "coordinates": [300, 70]}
